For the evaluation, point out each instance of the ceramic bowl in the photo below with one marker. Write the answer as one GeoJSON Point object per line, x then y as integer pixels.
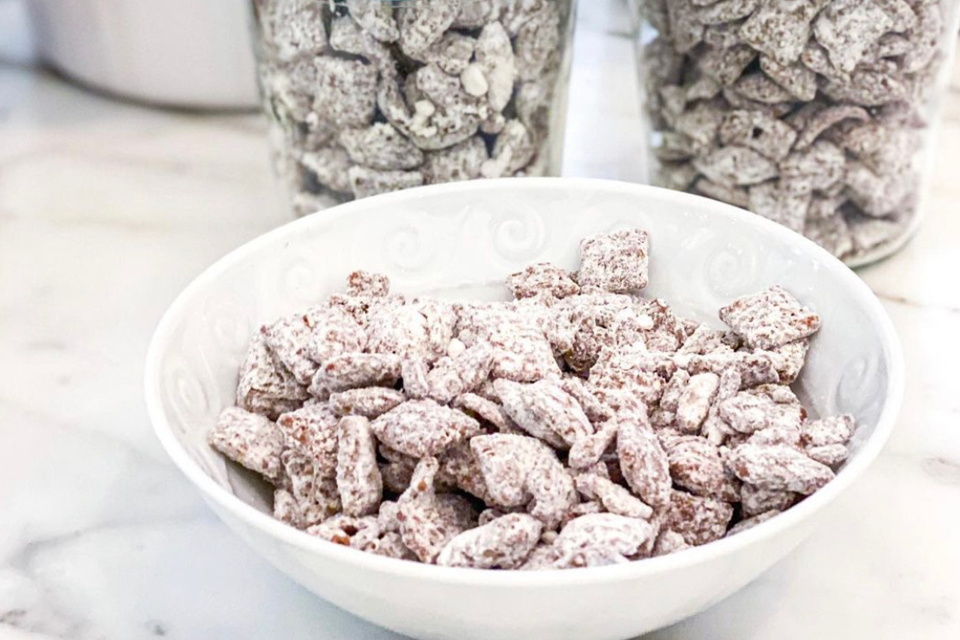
{"type": "Point", "coordinates": [457, 241]}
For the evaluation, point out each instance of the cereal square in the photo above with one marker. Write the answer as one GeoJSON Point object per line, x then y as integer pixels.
{"type": "Point", "coordinates": [770, 318]}
{"type": "Point", "coordinates": [615, 262]}
{"type": "Point", "coordinates": [248, 439]}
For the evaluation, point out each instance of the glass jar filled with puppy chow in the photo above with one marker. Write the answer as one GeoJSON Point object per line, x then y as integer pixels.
{"type": "Point", "coordinates": [369, 96]}
{"type": "Point", "coordinates": [818, 114]}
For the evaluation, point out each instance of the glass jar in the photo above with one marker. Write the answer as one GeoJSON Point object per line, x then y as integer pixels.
{"type": "Point", "coordinates": [818, 114]}
{"type": "Point", "coordinates": [369, 96]}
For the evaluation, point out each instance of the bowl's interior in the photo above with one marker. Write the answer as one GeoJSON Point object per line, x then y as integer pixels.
{"type": "Point", "coordinates": [459, 241]}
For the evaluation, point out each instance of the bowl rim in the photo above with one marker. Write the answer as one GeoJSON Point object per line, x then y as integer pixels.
{"type": "Point", "coordinates": [267, 525]}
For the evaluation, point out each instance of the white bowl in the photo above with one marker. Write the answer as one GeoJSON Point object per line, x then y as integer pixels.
{"type": "Point", "coordinates": [456, 240]}
{"type": "Point", "coordinates": [186, 53]}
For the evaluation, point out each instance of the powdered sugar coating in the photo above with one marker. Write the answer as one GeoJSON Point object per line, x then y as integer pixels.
{"type": "Point", "coordinates": [350, 95]}
{"type": "Point", "coordinates": [266, 386]}
{"type": "Point", "coordinates": [758, 87]}
{"type": "Point", "coordinates": [388, 516]}
{"type": "Point", "coordinates": [288, 339]}
{"type": "Point", "coordinates": [615, 262]}
{"type": "Point", "coordinates": [366, 182]}
{"type": "Point", "coordinates": [828, 454]}
{"type": "Point", "coordinates": [736, 166]}
{"type": "Point", "coordinates": [355, 370]}
{"type": "Point", "coordinates": [758, 131]}
{"type": "Point", "coordinates": [459, 468]}
{"type": "Point", "coordinates": [599, 539]}
{"type": "Point", "coordinates": [455, 347]}
{"type": "Point", "coordinates": [752, 368]}
{"type": "Point", "coordinates": [312, 429]}
{"type": "Point", "coordinates": [424, 529]}
{"type": "Point", "coordinates": [643, 461]}
{"type": "Point", "coordinates": [487, 412]}
{"type": "Point", "coordinates": [551, 489]}
{"type": "Point", "coordinates": [588, 451]}
{"type": "Point", "coordinates": [770, 318]}
{"type": "Point", "coordinates": [421, 27]}
{"type": "Point", "coordinates": [537, 41]}
{"type": "Point", "coordinates": [788, 434]}
{"type": "Point", "coordinates": [496, 59]}
{"type": "Point", "coordinates": [672, 392]}
{"type": "Point", "coordinates": [698, 519]}
{"type": "Point", "coordinates": [422, 428]}
{"type": "Point", "coordinates": [754, 500]}
{"type": "Point", "coordinates": [295, 27]}
{"type": "Point", "coordinates": [581, 326]}
{"type": "Point", "coordinates": [248, 439]}
{"type": "Point", "coordinates": [368, 402]}
{"type": "Point", "coordinates": [314, 492]}
{"type": "Point", "coordinates": [749, 412]}
{"type": "Point", "coordinates": [309, 460]}
{"type": "Point", "coordinates": [613, 497]}
{"type": "Point", "coordinates": [505, 460]}
{"type": "Point", "coordinates": [695, 465]}
{"type": "Point", "coordinates": [513, 399]}
{"type": "Point", "coordinates": [358, 477]}
{"type": "Point", "coordinates": [583, 392]}
{"type": "Point", "coordinates": [462, 161]}
{"type": "Point", "coordinates": [519, 471]}
{"type": "Point", "coordinates": [333, 333]}
{"type": "Point", "coordinates": [543, 557]}
{"type": "Point", "coordinates": [848, 28]}
{"type": "Point", "coordinates": [381, 103]}
{"type": "Point", "coordinates": [668, 542]}
{"type": "Point", "coordinates": [789, 359]}
{"type": "Point", "coordinates": [366, 284]}
{"type": "Point", "coordinates": [452, 54]}
{"type": "Point", "coordinates": [620, 382]}
{"type": "Point", "coordinates": [414, 373]}
{"type": "Point", "coordinates": [502, 543]}
{"type": "Point", "coordinates": [668, 331]}
{"type": "Point", "coordinates": [398, 330]}
{"type": "Point", "coordinates": [830, 430]}
{"type": "Point", "coordinates": [285, 508]}
{"type": "Point", "coordinates": [778, 468]}
{"type": "Point", "coordinates": [375, 18]}
{"type": "Point", "coordinates": [799, 81]}
{"type": "Point", "coordinates": [544, 407]}
{"type": "Point", "coordinates": [380, 146]}
{"type": "Point", "coordinates": [825, 119]}
{"type": "Point", "coordinates": [347, 531]}
{"type": "Point", "coordinates": [521, 350]}
{"type": "Point", "coordinates": [390, 545]}
{"type": "Point", "coordinates": [514, 149]}
{"type": "Point", "coordinates": [542, 279]}
{"type": "Point", "coordinates": [451, 377]}
{"type": "Point", "coordinates": [695, 400]}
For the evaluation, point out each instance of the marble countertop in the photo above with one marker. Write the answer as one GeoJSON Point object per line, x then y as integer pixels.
{"type": "Point", "coordinates": [107, 209]}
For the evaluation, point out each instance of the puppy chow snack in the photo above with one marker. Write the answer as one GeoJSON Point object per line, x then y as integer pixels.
{"type": "Point", "coordinates": [815, 114]}
{"type": "Point", "coordinates": [370, 96]}
{"type": "Point", "coordinates": [577, 424]}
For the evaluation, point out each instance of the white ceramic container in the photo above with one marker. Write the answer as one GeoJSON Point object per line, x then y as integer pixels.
{"type": "Point", "coordinates": [454, 241]}
{"type": "Point", "coordinates": [184, 53]}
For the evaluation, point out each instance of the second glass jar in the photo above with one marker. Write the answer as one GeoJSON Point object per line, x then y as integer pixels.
{"type": "Point", "coordinates": [370, 96]}
{"type": "Point", "coordinates": [817, 114]}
